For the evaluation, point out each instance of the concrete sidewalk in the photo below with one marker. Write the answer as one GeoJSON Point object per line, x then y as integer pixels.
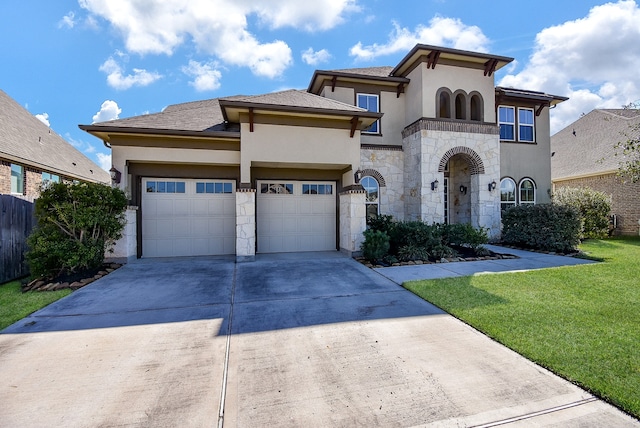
{"type": "Point", "coordinates": [526, 260]}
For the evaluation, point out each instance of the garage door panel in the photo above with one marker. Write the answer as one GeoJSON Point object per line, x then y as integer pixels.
{"type": "Point", "coordinates": [189, 223]}
{"type": "Point", "coordinates": [295, 221]}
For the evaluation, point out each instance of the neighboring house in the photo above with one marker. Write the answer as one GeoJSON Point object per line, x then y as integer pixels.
{"type": "Point", "coordinates": [584, 155]}
{"type": "Point", "coordinates": [430, 139]}
{"type": "Point", "coordinates": [32, 154]}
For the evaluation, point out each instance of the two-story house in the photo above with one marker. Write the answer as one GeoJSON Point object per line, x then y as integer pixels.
{"type": "Point", "coordinates": [430, 139]}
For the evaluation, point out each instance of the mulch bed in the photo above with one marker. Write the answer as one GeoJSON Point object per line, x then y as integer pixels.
{"type": "Point", "coordinates": [72, 281]}
{"type": "Point", "coordinates": [464, 255]}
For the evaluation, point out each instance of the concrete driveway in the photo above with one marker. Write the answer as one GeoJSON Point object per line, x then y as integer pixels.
{"type": "Point", "coordinates": [289, 340]}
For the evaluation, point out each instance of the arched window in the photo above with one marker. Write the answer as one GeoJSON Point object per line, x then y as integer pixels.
{"type": "Point", "coordinates": [372, 188]}
{"type": "Point", "coordinates": [527, 191]}
{"type": "Point", "coordinates": [461, 106]}
{"type": "Point", "coordinates": [507, 193]}
{"type": "Point", "coordinates": [444, 104]}
{"type": "Point", "coordinates": [476, 107]}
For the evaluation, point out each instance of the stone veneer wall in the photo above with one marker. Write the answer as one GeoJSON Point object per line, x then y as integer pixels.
{"type": "Point", "coordinates": [388, 162]}
{"type": "Point", "coordinates": [625, 199]}
{"type": "Point", "coordinates": [352, 220]}
{"type": "Point", "coordinates": [427, 143]}
{"type": "Point", "coordinates": [126, 248]}
{"type": "Point", "coordinates": [245, 225]}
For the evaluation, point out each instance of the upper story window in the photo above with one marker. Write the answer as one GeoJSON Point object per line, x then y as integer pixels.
{"type": "Point", "coordinates": [525, 124]}
{"type": "Point", "coordinates": [370, 102]}
{"type": "Point", "coordinates": [461, 107]}
{"type": "Point", "coordinates": [443, 100]}
{"type": "Point", "coordinates": [476, 107]}
{"type": "Point", "coordinates": [507, 122]}
{"type": "Point", "coordinates": [17, 179]}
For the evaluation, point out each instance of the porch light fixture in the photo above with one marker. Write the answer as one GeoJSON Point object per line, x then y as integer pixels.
{"type": "Point", "coordinates": [357, 176]}
{"type": "Point", "coordinates": [115, 175]}
{"type": "Point", "coordinates": [463, 190]}
{"type": "Point", "coordinates": [492, 185]}
{"type": "Point", "coordinates": [434, 185]}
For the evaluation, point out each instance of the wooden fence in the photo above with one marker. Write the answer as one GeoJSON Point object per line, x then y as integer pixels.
{"type": "Point", "coordinates": [16, 222]}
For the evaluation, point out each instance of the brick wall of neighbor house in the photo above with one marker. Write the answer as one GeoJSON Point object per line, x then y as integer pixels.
{"type": "Point", "coordinates": [5, 177]}
{"type": "Point", "coordinates": [625, 198]}
{"type": "Point", "coordinates": [32, 182]}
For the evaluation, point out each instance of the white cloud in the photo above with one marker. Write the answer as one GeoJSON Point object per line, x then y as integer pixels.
{"type": "Point", "coordinates": [109, 110]}
{"type": "Point", "coordinates": [207, 76]}
{"type": "Point", "coordinates": [68, 20]}
{"type": "Point", "coordinates": [104, 160]}
{"type": "Point", "coordinates": [312, 57]}
{"type": "Point", "coordinates": [441, 31]}
{"type": "Point", "coordinates": [117, 80]}
{"type": "Point", "coordinates": [592, 60]}
{"type": "Point", "coordinates": [160, 27]}
{"type": "Point", "coordinates": [44, 118]}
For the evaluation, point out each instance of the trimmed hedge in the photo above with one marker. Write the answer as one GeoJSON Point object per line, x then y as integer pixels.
{"type": "Point", "coordinates": [547, 227]}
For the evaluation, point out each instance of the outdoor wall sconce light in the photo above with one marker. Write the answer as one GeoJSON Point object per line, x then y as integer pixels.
{"type": "Point", "coordinates": [492, 185]}
{"type": "Point", "coordinates": [463, 190]}
{"type": "Point", "coordinates": [115, 175]}
{"type": "Point", "coordinates": [434, 185]}
{"type": "Point", "coordinates": [357, 176]}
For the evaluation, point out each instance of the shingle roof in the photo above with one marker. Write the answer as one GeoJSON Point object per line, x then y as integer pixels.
{"type": "Point", "coordinates": [586, 146]}
{"type": "Point", "coordinates": [198, 116]}
{"type": "Point", "coordinates": [368, 71]}
{"type": "Point", "coordinates": [26, 140]}
{"type": "Point", "coordinates": [297, 98]}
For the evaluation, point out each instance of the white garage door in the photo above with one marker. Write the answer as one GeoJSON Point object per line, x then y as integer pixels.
{"type": "Point", "coordinates": [188, 217]}
{"type": "Point", "coordinates": [296, 216]}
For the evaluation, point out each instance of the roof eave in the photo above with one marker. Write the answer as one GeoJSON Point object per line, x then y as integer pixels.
{"type": "Point", "coordinates": [315, 82]}
{"type": "Point", "coordinates": [104, 132]}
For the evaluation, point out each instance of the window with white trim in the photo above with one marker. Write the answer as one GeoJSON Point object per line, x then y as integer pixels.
{"type": "Point", "coordinates": [17, 179]}
{"type": "Point", "coordinates": [213, 187]}
{"type": "Point", "coordinates": [372, 201]}
{"type": "Point", "coordinates": [507, 123]}
{"type": "Point", "coordinates": [526, 125]}
{"type": "Point", "coordinates": [507, 193]}
{"type": "Point", "coordinates": [371, 103]}
{"type": "Point", "coordinates": [276, 188]}
{"type": "Point", "coordinates": [527, 191]}
{"type": "Point", "coordinates": [165, 187]}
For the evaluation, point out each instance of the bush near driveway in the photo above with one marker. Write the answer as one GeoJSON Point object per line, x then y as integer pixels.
{"type": "Point", "coordinates": [77, 222]}
{"type": "Point", "coordinates": [581, 322]}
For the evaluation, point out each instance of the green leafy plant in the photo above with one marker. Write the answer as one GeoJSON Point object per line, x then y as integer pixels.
{"type": "Point", "coordinates": [375, 246]}
{"type": "Point", "coordinates": [548, 227]}
{"type": "Point", "coordinates": [76, 224]}
{"type": "Point", "coordinates": [594, 208]}
{"type": "Point", "coordinates": [465, 235]}
{"type": "Point", "coordinates": [412, 252]}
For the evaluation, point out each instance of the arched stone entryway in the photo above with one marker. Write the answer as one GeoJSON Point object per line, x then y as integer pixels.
{"type": "Point", "coordinates": [460, 167]}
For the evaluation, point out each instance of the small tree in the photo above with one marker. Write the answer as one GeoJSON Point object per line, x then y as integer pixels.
{"type": "Point", "coordinates": [594, 208]}
{"type": "Point", "coordinates": [629, 150]}
{"type": "Point", "coordinates": [76, 224]}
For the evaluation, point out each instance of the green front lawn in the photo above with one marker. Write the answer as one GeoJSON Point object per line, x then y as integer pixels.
{"type": "Point", "coordinates": [15, 305]}
{"type": "Point", "coordinates": [581, 322]}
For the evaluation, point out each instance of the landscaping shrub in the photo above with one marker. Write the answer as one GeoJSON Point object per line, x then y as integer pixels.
{"type": "Point", "coordinates": [548, 227]}
{"type": "Point", "coordinates": [594, 208]}
{"type": "Point", "coordinates": [76, 224]}
{"type": "Point", "coordinates": [412, 252]}
{"type": "Point", "coordinates": [465, 235]}
{"type": "Point", "coordinates": [375, 245]}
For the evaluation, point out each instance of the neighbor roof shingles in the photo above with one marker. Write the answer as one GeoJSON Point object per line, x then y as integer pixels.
{"type": "Point", "coordinates": [26, 140]}
{"type": "Point", "coordinates": [591, 150]}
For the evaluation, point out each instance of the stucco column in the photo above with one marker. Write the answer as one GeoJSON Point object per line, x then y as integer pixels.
{"type": "Point", "coordinates": [125, 248]}
{"type": "Point", "coordinates": [245, 225]}
{"type": "Point", "coordinates": [352, 220]}
{"type": "Point", "coordinates": [485, 209]}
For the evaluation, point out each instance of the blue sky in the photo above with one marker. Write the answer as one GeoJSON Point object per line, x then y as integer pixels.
{"type": "Point", "coordinates": [73, 62]}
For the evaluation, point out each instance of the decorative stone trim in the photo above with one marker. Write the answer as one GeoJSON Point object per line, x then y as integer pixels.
{"type": "Point", "coordinates": [352, 192]}
{"type": "Point", "coordinates": [375, 174]}
{"type": "Point", "coordinates": [385, 147]}
{"type": "Point", "coordinates": [241, 190]}
{"type": "Point", "coordinates": [476, 166]}
{"type": "Point", "coordinates": [449, 125]}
